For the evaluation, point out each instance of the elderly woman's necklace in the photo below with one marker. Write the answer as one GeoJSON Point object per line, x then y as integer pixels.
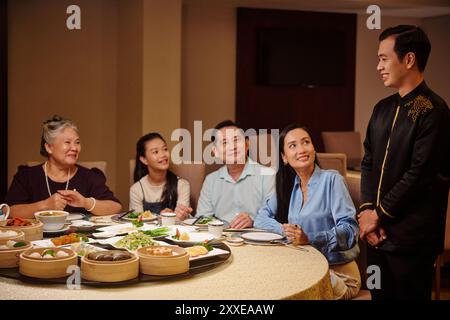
{"type": "Point", "coordinates": [46, 179]}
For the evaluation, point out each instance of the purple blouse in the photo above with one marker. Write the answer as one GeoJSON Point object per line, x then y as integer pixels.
{"type": "Point", "coordinates": [29, 186]}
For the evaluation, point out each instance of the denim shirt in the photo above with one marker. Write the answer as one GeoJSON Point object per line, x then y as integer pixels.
{"type": "Point", "coordinates": [327, 217]}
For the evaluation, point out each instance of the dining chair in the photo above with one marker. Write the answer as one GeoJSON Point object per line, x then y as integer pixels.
{"type": "Point", "coordinates": [443, 257]}
{"type": "Point", "coordinates": [348, 142]}
{"type": "Point", "coordinates": [132, 164]}
{"type": "Point", "coordinates": [354, 188]}
{"type": "Point", "coordinates": [336, 161]}
{"type": "Point", "coordinates": [101, 165]}
{"type": "Point", "coordinates": [195, 174]}
{"type": "Point", "coordinates": [261, 147]}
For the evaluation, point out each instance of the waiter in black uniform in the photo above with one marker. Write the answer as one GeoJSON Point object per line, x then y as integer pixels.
{"type": "Point", "coordinates": [405, 170]}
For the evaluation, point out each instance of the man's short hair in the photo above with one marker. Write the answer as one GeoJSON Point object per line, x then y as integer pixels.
{"type": "Point", "coordinates": [226, 123]}
{"type": "Point", "coordinates": [223, 124]}
{"type": "Point", "coordinates": [409, 38]}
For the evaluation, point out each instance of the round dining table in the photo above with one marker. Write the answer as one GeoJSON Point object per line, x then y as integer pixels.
{"type": "Point", "coordinates": [252, 272]}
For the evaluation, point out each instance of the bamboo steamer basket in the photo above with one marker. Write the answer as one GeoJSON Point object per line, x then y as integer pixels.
{"type": "Point", "coordinates": [46, 268]}
{"type": "Point", "coordinates": [163, 265]}
{"type": "Point", "coordinates": [110, 271]}
{"type": "Point", "coordinates": [10, 258]}
{"type": "Point", "coordinates": [33, 232]}
{"type": "Point", "coordinates": [20, 236]}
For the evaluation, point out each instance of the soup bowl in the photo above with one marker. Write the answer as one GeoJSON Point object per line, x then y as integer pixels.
{"type": "Point", "coordinates": [52, 219]}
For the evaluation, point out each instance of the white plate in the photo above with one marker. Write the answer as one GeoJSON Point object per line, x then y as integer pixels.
{"type": "Point", "coordinates": [103, 234]}
{"type": "Point", "coordinates": [122, 228]}
{"type": "Point", "coordinates": [82, 223]}
{"type": "Point", "coordinates": [212, 253]}
{"type": "Point", "coordinates": [194, 237]}
{"type": "Point", "coordinates": [57, 231]}
{"type": "Point", "coordinates": [86, 247]}
{"type": "Point", "coordinates": [261, 236]}
{"type": "Point", "coordinates": [75, 216]}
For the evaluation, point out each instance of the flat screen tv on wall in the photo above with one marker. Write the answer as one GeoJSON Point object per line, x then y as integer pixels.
{"type": "Point", "coordinates": [300, 57]}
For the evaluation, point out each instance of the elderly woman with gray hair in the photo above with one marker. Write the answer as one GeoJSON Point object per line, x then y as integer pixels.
{"type": "Point", "coordinates": [59, 183]}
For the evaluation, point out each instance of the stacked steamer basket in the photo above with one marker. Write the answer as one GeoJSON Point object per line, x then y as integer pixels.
{"type": "Point", "coordinates": [32, 232]}
{"type": "Point", "coordinates": [153, 263]}
{"type": "Point", "coordinates": [109, 270]}
{"type": "Point", "coordinates": [46, 268]}
{"type": "Point", "coordinates": [9, 258]}
{"type": "Point", "coordinates": [14, 235]}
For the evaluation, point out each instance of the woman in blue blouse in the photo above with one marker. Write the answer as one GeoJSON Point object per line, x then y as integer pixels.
{"type": "Point", "coordinates": [313, 206]}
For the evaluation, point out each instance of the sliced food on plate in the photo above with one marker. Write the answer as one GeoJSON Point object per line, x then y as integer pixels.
{"type": "Point", "coordinates": [69, 238]}
{"type": "Point", "coordinates": [18, 222]}
{"type": "Point", "coordinates": [145, 216]}
{"type": "Point", "coordinates": [196, 251]}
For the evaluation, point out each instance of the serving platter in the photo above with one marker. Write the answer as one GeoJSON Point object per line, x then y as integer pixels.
{"type": "Point", "coordinates": [195, 267]}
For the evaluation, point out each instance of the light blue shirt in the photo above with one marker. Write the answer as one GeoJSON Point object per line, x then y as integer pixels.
{"type": "Point", "coordinates": [327, 217]}
{"type": "Point", "coordinates": [224, 197]}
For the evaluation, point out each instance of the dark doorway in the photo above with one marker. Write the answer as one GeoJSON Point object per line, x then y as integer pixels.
{"type": "Point", "coordinates": [295, 66]}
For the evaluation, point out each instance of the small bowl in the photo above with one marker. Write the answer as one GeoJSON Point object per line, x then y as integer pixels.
{"type": "Point", "coordinates": [235, 241]}
{"type": "Point", "coordinates": [52, 219]}
{"type": "Point", "coordinates": [168, 218]}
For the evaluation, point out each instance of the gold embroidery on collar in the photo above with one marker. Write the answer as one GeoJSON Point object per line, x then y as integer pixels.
{"type": "Point", "coordinates": [420, 105]}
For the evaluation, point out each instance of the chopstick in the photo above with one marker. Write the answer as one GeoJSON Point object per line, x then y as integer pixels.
{"type": "Point", "coordinates": [196, 220]}
{"type": "Point", "coordinates": [120, 215]}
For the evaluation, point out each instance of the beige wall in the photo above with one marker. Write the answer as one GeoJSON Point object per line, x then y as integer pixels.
{"type": "Point", "coordinates": [118, 78]}
{"type": "Point", "coordinates": [52, 70]}
{"type": "Point", "coordinates": [208, 65]}
{"type": "Point", "coordinates": [437, 73]}
{"type": "Point", "coordinates": [161, 70]}
{"type": "Point", "coordinates": [129, 90]}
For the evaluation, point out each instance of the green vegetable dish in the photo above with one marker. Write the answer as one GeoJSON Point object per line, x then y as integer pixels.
{"type": "Point", "coordinates": [158, 232]}
{"type": "Point", "coordinates": [135, 241]}
{"type": "Point", "coordinates": [205, 220]}
{"type": "Point", "coordinates": [19, 244]}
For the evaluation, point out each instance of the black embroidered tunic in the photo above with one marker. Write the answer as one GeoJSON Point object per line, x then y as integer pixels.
{"type": "Point", "coordinates": [406, 169]}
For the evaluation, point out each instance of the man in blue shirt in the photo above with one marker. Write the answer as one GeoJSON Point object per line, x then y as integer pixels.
{"type": "Point", "coordinates": [236, 191]}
